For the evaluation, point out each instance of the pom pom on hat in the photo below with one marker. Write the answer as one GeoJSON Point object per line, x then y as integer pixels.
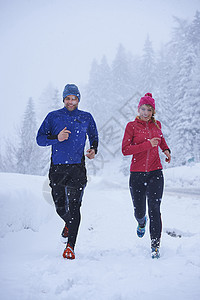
{"type": "Point", "coordinates": [148, 94]}
{"type": "Point", "coordinates": [71, 89]}
{"type": "Point", "coordinates": [148, 100]}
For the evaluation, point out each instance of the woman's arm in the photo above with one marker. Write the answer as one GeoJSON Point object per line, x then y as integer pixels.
{"type": "Point", "coordinates": [127, 147]}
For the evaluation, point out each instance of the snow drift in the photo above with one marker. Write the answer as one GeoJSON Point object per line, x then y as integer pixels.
{"type": "Point", "coordinates": [111, 262]}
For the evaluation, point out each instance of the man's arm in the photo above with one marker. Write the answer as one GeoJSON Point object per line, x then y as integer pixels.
{"type": "Point", "coordinates": [44, 135]}
{"type": "Point", "coordinates": [93, 138]}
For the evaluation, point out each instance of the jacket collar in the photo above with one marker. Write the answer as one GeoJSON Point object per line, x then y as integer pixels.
{"type": "Point", "coordinates": [138, 120]}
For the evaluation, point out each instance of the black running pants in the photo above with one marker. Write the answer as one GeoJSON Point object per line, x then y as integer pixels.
{"type": "Point", "coordinates": [148, 186]}
{"type": "Point", "coordinates": [68, 183]}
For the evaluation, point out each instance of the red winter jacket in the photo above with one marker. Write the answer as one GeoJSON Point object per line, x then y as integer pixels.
{"type": "Point", "coordinates": [136, 142]}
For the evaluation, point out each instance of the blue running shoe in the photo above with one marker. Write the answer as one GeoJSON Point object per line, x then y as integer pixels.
{"type": "Point", "coordinates": [155, 253]}
{"type": "Point", "coordinates": [141, 229]}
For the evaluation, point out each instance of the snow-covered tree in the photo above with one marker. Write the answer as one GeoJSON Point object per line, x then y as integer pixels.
{"type": "Point", "coordinates": [92, 96]}
{"type": "Point", "coordinates": [172, 76]}
{"type": "Point", "coordinates": [135, 70]}
{"type": "Point", "coordinates": [27, 153]}
{"type": "Point", "coordinates": [49, 100]}
{"type": "Point", "coordinates": [56, 100]}
{"type": "Point", "coordinates": [162, 94]}
{"type": "Point", "coordinates": [98, 92]}
{"type": "Point", "coordinates": [22, 154]}
{"type": "Point", "coordinates": [122, 85]}
{"type": "Point", "coordinates": [193, 90]}
{"type": "Point", "coordinates": [193, 32]}
{"type": "Point", "coordinates": [147, 73]}
{"type": "Point", "coordinates": [2, 166]}
{"type": "Point", "coordinates": [184, 59]}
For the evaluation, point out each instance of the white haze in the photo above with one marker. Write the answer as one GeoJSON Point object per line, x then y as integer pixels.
{"type": "Point", "coordinates": [55, 42]}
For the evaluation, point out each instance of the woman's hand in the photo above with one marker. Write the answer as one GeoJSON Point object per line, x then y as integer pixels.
{"type": "Point", "coordinates": [154, 141]}
{"type": "Point", "coordinates": [167, 153]}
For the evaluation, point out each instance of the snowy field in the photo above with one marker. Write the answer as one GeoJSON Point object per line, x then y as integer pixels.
{"type": "Point", "coordinates": [111, 262]}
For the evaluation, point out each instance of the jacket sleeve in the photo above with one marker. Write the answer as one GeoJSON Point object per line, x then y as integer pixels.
{"type": "Point", "coordinates": [163, 145]}
{"type": "Point", "coordinates": [93, 134]}
{"type": "Point", "coordinates": [44, 135]}
{"type": "Point", "coordinates": [127, 147]}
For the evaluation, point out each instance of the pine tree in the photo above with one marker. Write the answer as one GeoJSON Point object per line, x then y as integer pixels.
{"type": "Point", "coordinates": [2, 166]}
{"type": "Point", "coordinates": [10, 157]}
{"type": "Point", "coordinates": [163, 96]}
{"type": "Point", "coordinates": [22, 154]}
{"type": "Point", "coordinates": [135, 71]}
{"type": "Point", "coordinates": [184, 59]}
{"type": "Point", "coordinates": [56, 100]}
{"type": "Point", "coordinates": [92, 95]}
{"type": "Point", "coordinates": [98, 92]}
{"type": "Point", "coordinates": [29, 156]}
{"type": "Point", "coordinates": [26, 152]}
{"type": "Point", "coordinates": [193, 32]}
{"type": "Point", "coordinates": [121, 77]}
{"type": "Point", "coordinates": [193, 90]}
{"type": "Point", "coordinates": [172, 77]}
{"type": "Point", "coordinates": [48, 101]}
{"type": "Point", "coordinates": [147, 73]}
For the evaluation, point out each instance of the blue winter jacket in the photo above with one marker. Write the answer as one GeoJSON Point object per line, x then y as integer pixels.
{"type": "Point", "coordinates": [70, 151]}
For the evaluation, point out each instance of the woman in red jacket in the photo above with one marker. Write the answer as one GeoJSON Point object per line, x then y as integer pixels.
{"type": "Point", "coordinates": [142, 138]}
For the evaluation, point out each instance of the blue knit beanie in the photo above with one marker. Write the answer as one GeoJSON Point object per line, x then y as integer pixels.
{"type": "Point", "coordinates": [71, 89]}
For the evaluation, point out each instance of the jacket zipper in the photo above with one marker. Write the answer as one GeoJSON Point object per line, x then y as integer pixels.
{"type": "Point", "coordinates": [148, 151]}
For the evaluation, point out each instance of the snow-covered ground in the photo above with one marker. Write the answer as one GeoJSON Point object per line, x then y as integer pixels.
{"type": "Point", "coordinates": [111, 262]}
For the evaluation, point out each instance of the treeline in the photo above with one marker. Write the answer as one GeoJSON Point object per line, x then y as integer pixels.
{"type": "Point", "coordinates": [172, 75]}
{"type": "Point", "coordinates": [112, 94]}
{"type": "Point", "coordinates": [21, 153]}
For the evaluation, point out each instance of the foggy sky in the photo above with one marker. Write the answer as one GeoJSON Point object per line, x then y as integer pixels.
{"type": "Point", "coordinates": [55, 41]}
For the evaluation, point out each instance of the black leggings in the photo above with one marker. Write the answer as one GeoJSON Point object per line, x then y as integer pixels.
{"type": "Point", "coordinates": [68, 183]}
{"type": "Point", "coordinates": [68, 202]}
{"type": "Point", "coordinates": [148, 185]}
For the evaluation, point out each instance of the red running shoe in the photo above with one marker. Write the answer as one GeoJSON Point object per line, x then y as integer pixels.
{"type": "Point", "coordinates": [69, 252]}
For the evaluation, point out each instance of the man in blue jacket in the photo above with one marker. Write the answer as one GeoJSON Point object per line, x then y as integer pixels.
{"type": "Point", "coordinates": [66, 130]}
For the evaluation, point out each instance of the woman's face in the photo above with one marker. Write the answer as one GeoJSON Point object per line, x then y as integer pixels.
{"type": "Point", "coordinates": [145, 112]}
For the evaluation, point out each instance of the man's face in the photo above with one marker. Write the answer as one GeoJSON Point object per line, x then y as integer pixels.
{"type": "Point", "coordinates": [71, 102]}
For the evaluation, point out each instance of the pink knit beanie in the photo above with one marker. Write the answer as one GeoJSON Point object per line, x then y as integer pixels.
{"type": "Point", "coordinates": [147, 99]}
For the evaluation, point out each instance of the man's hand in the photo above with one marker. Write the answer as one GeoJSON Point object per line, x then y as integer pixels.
{"type": "Point", "coordinates": [63, 134]}
{"type": "Point", "coordinates": [167, 153]}
{"type": "Point", "coordinates": [90, 153]}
